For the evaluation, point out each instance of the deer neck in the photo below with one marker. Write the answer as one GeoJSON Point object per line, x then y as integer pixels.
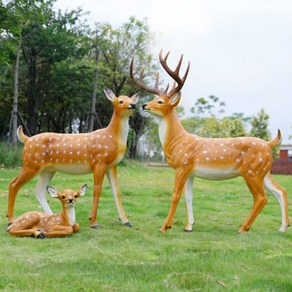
{"type": "Point", "coordinates": [119, 127]}
{"type": "Point", "coordinates": [68, 216]}
{"type": "Point", "coordinates": [171, 132]}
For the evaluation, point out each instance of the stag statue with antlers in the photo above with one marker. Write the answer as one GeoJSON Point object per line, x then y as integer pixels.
{"type": "Point", "coordinates": [209, 158]}
{"type": "Point", "coordinates": [97, 152]}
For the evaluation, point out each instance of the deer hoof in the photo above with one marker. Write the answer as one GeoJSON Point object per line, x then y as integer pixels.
{"type": "Point", "coordinates": [128, 224]}
{"type": "Point", "coordinates": [41, 236]}
{"type": "Point", "coordinates": [94, 226]}
{"type": "Point", "coordinates": [164, 229]}
{"type": "Point", "coordinates": [188, 230]}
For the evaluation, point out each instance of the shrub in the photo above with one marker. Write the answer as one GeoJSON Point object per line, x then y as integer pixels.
{"type": "Point", "coordinates": [10, 156]}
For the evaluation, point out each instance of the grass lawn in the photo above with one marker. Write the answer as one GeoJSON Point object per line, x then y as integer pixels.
{"type": "Point", "coordinates": [115, 258]}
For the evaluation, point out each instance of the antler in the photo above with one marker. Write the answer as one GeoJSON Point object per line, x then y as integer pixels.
{"type": "Point", "coordinates": [140, 84]}
{"type": "Point", "coordinates": [174, 74]}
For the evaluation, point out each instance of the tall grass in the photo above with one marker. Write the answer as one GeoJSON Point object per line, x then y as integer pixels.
{"type": "Point", "coordinates": [10, 156]}
{"type": "Point", "coordinates": [115, 258]}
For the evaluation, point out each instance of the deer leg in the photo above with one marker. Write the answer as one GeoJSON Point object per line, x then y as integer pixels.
{"type": "Point", "coordinates": [24, 225]}
{"type": "Point", "coordinates": [281, 195]}
{"type": "Point", "coordinates": [113, 180]}
{"type": "Point", "coordinates": [98, 179]}
{"type": "Point", "coordinates": [189, 203]}
{"type": "Point", "coordinates": [23, 177]}
{"type": "Point", "coordinates": [40, 191]}
{"type": "Point", "coordinates": [181, 176]}
{"type": "Point", "coordinates": [58, 231]}
{"type": "Point", "coordinates": [255, 185]}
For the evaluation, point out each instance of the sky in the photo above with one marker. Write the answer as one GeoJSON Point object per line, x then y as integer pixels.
{"type": "Point", "coordinates": [240, 51]}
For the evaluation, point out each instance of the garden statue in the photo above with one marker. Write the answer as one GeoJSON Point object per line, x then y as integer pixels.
{"type": "Point", "coordinates": [97, 152]}
{"type": "Point", "coordinates": [213, 159]}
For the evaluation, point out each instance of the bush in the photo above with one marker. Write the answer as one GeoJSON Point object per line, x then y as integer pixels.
{"type": "Point", "coordinates": [10, 156]}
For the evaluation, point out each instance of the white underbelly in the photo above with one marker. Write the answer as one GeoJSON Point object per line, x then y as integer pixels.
{"type": "Point", "coordinates": [70, 168]}
{"type": "Point", "coordinates": [215, 173]}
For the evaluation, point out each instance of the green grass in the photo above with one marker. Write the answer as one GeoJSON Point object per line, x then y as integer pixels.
{"type": "Point", "coordinates": [115, 258]}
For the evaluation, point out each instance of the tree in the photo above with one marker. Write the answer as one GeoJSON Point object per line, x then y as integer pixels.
{"type": "Point", "coordinates": [45, 38]}
{"type": "Point", "coordinates": [260, 124]}
{"type": "Point", "coordinates": [207, 122]}
{"type": "Point", "coordinates": [117, 47]}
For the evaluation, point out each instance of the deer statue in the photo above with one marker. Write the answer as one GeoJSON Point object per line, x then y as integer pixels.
{"type": "Point", "coordinates": [97, 152]}
{"type": "Point", "coordinates": [42, 225]}
{"type": "Point", "coordinates": [209, 158]}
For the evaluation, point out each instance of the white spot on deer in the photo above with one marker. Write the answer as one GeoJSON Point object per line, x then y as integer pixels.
{"type": "Point", "coordinates": [221, 157]}
{"type": "Point", "coordinates": [260, 160]}
{"type": "Point", "coordinates": [43, 153]}
{"type": "Point", "coordinates": [207, 158]}
{"type": "Point", "coordinates": [78, 152]}
{"type": "Point", "coordinates": [205, 152]}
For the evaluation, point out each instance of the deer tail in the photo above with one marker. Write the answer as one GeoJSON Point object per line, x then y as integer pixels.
{"type": "Point", "coordinates": [277, 140]}
{"type": "Point", "coordinates": [20, 135]}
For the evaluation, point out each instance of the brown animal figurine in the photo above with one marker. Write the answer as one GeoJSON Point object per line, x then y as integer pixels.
{"type": "Point", "coordinates": [97, 152]}
{"type": "Point", "coordinates": [212, 159]}
{"type": "Point", "coordinates": [42, 225]}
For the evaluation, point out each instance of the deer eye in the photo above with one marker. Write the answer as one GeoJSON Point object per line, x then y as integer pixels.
{"type": "Point", "coordinates": [121, 101]}
{"type": "Point", "coordinates": [160, 102]}
{"type": "Point", "coordinates": [75, 196]}
{"type": "Point", "coordinates": [63, 197]}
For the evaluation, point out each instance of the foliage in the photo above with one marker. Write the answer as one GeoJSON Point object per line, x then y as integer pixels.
{"type": "Point", "coordinates": [10, 156]}
{"type": "Point", "coordinates": [117, 46]}
{"type": "Point", "coordinates": [60, 56]}
{"type": "Point", "coordinates": [260, 124]}
{"type": "Point", "coordinates": [115, 258]}
{"type": "Point", "coordinates": [207, 122]}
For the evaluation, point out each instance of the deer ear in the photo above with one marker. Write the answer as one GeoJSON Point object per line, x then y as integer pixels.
{"type": "Point", "coordinates": [174, 99]}
{"type": "Point", "coordinates": [52, 191]}
{"type": "Point", "coordinates": [135, 98]}
{"type": "Point", "coordinates": [109, 94]}
{"type": "Point", "coordinates": [83, 190]}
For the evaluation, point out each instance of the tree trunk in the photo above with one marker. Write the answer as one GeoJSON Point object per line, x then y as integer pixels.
{"type": "Point", "coordinates": [15, 100]}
